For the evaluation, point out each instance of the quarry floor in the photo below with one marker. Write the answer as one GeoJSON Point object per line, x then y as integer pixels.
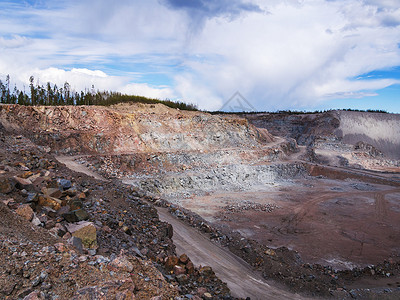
{"type": "Point", "coordinates": [341, 223]}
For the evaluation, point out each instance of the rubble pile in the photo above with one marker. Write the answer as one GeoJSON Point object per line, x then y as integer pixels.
{"type": "Point", "coordinates": [248, 205]}
{"type": "Point", "coordinates": [65, 235]}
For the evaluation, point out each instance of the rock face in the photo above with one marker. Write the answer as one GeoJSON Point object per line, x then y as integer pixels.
{"type": "Point", "coordinates": [129, 128]}
{"type": "Point", "coordinates": [301, 127]}
{"type": "Point", "coordinates": [380, 130]}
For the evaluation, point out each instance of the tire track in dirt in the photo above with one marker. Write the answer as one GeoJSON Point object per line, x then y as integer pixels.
{"type": "Point", "coordinates": [380, 206]}
{"type": "Point", "coordinates": [291, 222]}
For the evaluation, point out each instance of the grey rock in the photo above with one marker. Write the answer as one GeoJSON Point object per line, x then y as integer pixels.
{"type": "Point", "coordinates": [64, 183]}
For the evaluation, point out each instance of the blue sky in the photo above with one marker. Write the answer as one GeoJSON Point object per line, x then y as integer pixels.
{"type": "Point", "coordinates": [279, 54]}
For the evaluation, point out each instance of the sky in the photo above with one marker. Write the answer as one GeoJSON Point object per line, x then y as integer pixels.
{"type": "Point", "coordinates": [277, 54]}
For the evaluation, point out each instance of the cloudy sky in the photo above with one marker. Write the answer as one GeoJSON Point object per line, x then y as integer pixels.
{"type": "Point", "coordinates": [279, 54]}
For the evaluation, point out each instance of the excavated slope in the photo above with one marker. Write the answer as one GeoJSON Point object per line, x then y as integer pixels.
{"type": "Point", "coordinates": [129, 128]}
{"type": "Point", "coordinates": [377, 129]}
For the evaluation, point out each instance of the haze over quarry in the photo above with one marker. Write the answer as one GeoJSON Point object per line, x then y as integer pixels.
{"type": "Point", "coordinates": [279, 54]}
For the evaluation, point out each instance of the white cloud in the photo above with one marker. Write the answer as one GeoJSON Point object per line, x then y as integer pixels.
{"type": "Point", "coordinates": [16, 41]}
{"type": "Point", "coordinates": [143, 89]}
{"type": "Point", "coordinates": [287, 54]}
{"type": "Point", "coordinates": [95, 73]}
{"type": "Point", "coordinates": [297, 55]}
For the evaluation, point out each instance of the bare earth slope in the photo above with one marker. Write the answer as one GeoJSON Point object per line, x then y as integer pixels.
{"type": "Point", "coordinates": [377, 129]}
{"type": "Point", "coordinates": [128, 128]}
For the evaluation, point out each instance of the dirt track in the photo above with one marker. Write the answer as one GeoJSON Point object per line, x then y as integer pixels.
{"type": "Point", "coordinates": [69, 161]}
{"type": "Point", "coordinates": [241, 280]}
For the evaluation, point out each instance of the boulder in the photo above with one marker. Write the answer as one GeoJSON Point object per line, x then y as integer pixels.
{"type": "Point", "coordinates": [25, 211]}
{"type": "Point", "coordinates": [170, 262]}
{"type": "Point", "coordinates": [121, 262]}
{"type": "Point", "coordinates": [75, 204]}
{"type": "Point", "coordinates": [6, 186]}
{"type": "Point", "coordinates": [22, 183]}
{"type": "Point", "coordinates": [35, 221]}
{"type": "Point", "coordinates": [184, 259]}
{"type": "Point", "coordinates": [64, 183]}
{"type": "Point", "coordinates": [76, 215]}
{"type": "Point", "coordinates": [86, 231]}
{"type": "Point", "coordinates": [52, 192]}
{"type": "Point", "coordinates": [178, 270]}
{"type": "Point", "coordinates": [51, 202]}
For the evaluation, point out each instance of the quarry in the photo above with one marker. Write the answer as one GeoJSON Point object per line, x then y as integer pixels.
{"type": "Point", "coordinates": [276, 205]}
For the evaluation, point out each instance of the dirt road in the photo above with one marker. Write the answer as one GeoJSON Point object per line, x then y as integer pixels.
{"type": "Point", "coordinates": [70, 162]}
{"type": "Point", "coordinates": [241, 280]}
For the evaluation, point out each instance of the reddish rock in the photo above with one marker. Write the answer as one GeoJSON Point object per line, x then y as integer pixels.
{"type": "Point", "coordinates": [106, 229]}
{"type": "Point", "coordinates": [170, 262]}
{"type": "Point", "coordinates": [25, 211]}
{"type": "Point", "coordinates": [66, 236]}
{"type": "Point", "coordinates": [60, 247]}
{"type": "Point", "coordinates": [189, 268]}
{"type": "Point", "coordinates": [200, 291]}
{"type": "Point", "coordinates": [184, 259]}
{"type": "Point", "coordinates": [121, 262]}
{"type": "Point", "coordinates": [27, 174]}
{"type": "Point", "coordinates": [32, 296]}
{"type": "Point", "coordinates": [178, 270]}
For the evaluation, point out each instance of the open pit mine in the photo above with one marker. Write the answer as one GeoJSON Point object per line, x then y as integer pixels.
{"type": "Point", "coordinates": [140, 201]}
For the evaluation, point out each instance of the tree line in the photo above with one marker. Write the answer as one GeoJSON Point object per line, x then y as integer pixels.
{"type": "Point", "coordinates": [52, 95]}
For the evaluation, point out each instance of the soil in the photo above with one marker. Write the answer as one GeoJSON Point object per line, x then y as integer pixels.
{"type": "Point", "coordinates": [360, 224]}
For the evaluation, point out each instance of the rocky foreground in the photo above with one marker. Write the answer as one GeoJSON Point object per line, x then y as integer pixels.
{"type": "Point", "coordinates": [64, 235]}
